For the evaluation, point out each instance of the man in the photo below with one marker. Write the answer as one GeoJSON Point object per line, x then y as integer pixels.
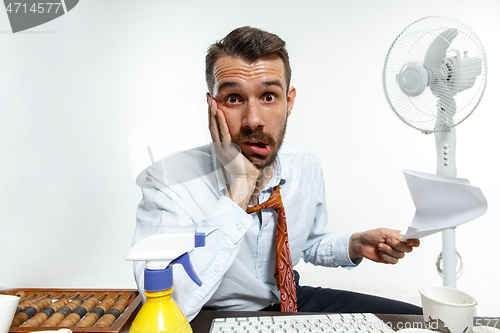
{"type": "Point", "coordinates": [250, 98]}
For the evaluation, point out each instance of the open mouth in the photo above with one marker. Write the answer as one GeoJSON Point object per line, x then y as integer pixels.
{"type": "Point", "coordinates": [259, 144]}
{"type": "Point", "coordinates": [258, 147]}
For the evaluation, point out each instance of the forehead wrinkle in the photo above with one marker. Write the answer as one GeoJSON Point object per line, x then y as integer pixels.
{"type": "Point", "coordinates": [238, 68]}
{"type": "Point", "coordinates": [243, 73]}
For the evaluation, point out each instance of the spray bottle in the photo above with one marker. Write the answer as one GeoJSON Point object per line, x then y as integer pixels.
{"type": "Point", "coordinates": [160, 313]}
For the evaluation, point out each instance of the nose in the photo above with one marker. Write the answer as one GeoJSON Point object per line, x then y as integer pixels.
{"type": "Point", "coordinates": [253, 118]}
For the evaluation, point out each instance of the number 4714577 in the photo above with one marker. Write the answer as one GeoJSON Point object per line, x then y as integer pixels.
{"type": "Point", "coordinates": [36, 8]}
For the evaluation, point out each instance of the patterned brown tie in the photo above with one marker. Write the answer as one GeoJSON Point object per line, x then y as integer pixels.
{"type": "Point", "coordinates": [283, 271]}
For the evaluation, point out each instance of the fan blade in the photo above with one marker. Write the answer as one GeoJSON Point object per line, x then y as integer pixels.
{"type": "Point", "coordinates": [437, 50]}
{"type": "Point", "coordinates": [446, 106]}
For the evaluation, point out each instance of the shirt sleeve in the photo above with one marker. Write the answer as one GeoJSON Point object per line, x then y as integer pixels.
{"type": "Point", "coordinates": [161, 211]}
{"type": "Point", "coordinates": [325, 247]}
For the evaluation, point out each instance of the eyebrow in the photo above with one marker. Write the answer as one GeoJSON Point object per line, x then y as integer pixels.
{"type": "Point", "coordinates": [273, 83]}
{"type": "Point", "coordinates": [227, 84]}
{"type": "Point", "coordinates": [230, 84]}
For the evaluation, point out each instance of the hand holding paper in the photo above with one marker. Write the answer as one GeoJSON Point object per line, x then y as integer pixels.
{"type": "Point", "coordinates": [441, 203]}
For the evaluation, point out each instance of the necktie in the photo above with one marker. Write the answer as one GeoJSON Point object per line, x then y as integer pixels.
{"type": "Point", "coordinates": [283, 272]}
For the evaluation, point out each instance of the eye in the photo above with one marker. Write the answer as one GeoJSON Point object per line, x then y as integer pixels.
{"type": "Point", "coordinates": [232, 99]}
{"type": "Point", "coordinates": [269, 97]}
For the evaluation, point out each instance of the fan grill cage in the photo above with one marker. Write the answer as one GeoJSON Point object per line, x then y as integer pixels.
{"type": "Point", "coordinates": [411, 45]}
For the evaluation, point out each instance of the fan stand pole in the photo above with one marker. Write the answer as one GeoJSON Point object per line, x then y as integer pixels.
{"type": "Point", "coordinates": [449, 259]}
{"type": "Point", "coordinates": [446, 166]}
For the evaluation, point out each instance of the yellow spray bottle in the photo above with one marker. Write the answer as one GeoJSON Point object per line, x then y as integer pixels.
{"type": "Point", "coordinates": [160, 313]}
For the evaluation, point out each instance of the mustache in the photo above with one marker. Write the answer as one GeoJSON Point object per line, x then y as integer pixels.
{"type": "Point", "coordinates": [249, 134]}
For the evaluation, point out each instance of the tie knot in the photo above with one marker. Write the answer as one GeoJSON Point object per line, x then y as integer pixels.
{"type": "Point", "coordinates": [274, 202]}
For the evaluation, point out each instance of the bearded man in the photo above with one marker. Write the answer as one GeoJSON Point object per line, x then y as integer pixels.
{"type": "Point", "coordinates": [252, 246]}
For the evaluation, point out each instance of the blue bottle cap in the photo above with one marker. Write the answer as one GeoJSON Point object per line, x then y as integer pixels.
{"type": "Point", "coordinates": [158, 280]}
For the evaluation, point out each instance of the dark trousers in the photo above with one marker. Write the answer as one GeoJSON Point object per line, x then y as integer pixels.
{"type": "Point", "coordinates": [311, 299]}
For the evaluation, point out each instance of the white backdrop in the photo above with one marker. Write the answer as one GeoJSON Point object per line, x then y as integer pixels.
{"type": "Point", "coordinates": [72, 90]}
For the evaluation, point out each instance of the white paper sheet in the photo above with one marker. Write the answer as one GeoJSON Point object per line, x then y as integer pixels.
{"type": "Point", "coordinates": [441, 203]}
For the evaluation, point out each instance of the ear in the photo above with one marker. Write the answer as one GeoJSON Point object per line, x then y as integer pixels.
{"type": "Point", "coordinates": [290, 99]}
{"type": "Point", "coordinates": [208, 98]}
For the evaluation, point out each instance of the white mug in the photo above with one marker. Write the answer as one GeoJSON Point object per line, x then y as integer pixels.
{"type": "Point", "coordinates": [8, 306]}
{"type": "Point", "coordinates": [447, 310]}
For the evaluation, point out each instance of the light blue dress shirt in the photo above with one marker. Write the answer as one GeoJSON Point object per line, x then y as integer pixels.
{"type": "Point", "coordinates": [237, 264]}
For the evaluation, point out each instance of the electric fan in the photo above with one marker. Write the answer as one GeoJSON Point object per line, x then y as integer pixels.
{"type": "Point", "coordinates": [434, 77]}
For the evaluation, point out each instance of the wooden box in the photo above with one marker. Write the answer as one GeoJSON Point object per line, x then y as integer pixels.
{"type": "Point", "coordinates": [121, 324]}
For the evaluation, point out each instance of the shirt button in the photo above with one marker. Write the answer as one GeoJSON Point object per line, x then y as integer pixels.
{"type": "Point", "coordinates": [216, 268]}
{"type": "Point", "coordinates": [240, 227]}
{"type": "Point", "coordinates": [260, 265]}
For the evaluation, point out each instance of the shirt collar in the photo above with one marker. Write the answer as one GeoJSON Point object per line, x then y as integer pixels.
{"type": "Point", "coordinates": [278, 177]}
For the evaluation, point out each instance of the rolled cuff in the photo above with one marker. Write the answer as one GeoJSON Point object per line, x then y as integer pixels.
{"type": "Point", "coordinates": [341, 250]}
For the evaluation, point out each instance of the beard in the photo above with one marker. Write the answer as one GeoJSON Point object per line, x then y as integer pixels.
{"type": "Point", "coordinates": [261, 161]}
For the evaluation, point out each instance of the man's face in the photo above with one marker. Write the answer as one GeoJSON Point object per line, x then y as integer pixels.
{"type": "Point", "coordinates": [255, 102]}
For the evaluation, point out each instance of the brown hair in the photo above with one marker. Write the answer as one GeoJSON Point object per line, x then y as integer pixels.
{"type": "Point", "coordinates": [249, 44]}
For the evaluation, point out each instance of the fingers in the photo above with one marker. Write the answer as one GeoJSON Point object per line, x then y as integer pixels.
{"type": "Point", "coordinates": [213, 123]}
{"type": "Point", "coordinates": [224, 134]}
{"type": "Point", "coordinates": [413, 242]}
{"type": "Point", "coordinates": [389, 254]}
{"type": "Point", "coordinates": [218, 127]}
{"type": "Point", "coordinates": [392, 248]}
{"type": "Point", "coordinates": [398, 245]}
{"type": "Point", "coordinates": [380, 245]}
{"type": "Point", "coordinates": [225, 150]}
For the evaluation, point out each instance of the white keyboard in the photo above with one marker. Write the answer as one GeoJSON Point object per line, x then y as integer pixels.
{"type": "Point", "coordinates": [334, 323]}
